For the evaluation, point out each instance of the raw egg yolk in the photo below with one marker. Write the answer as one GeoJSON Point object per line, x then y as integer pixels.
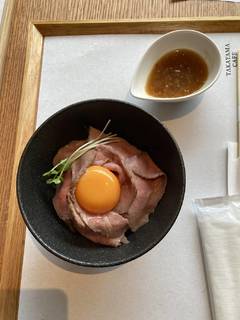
{"type": "Point", "coordinates": [98, 190]}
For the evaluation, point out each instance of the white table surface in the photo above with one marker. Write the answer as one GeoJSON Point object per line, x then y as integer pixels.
{"type": "Point", "coordinates": [168, 282]}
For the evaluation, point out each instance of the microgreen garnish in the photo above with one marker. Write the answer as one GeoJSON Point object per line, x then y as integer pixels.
{"type": "Point", "coordinates": [55, 175]}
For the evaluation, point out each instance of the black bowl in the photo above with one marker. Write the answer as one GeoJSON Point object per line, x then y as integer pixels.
{"type": "Point", "coordinates": [71, 123]}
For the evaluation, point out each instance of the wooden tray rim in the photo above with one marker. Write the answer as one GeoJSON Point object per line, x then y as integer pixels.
{"type": "Point", "coordinates": [38, 30]}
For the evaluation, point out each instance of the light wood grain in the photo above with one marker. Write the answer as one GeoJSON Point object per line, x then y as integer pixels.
{"type": "Point", "coordinates": [210, 24]}
{"type": "Point", "coordinates": [15, 229]}
{"type": "Point", "coordinates": [4, 32]}
{"type": "Point", "coordinates": [17, 124]}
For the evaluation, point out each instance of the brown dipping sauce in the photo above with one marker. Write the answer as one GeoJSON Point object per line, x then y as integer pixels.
{"type": "Point", "coordinates": [177, 73]}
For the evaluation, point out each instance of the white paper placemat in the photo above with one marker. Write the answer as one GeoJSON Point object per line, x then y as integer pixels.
{"type": "Point", "coordinates": [168, 282]}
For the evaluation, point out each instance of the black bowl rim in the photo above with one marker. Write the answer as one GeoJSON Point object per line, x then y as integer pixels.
{"type": "Point", "coordinates": [72, 260]}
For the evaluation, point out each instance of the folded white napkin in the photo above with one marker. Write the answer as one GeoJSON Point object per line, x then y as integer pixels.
{"type": "Point", "coordinates": [233, 174]}
{"type": "Point", "coordinates": [219, 225]}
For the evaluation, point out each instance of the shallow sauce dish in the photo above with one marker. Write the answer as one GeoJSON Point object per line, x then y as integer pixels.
{"type": "Point", "coordinates": [177, 40]}
{"type": "Point", "coordinates": [71, 123]}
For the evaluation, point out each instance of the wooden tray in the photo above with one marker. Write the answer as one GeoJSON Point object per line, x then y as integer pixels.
{"type": "Point", "coordinates": [12, 228]}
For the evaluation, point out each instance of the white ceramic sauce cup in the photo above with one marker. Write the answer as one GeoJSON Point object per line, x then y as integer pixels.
{"type": "Point", "coordinates": [180, 39]}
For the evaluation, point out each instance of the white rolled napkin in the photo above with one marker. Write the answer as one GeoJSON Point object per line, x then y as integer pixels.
{"type": "Point", "coordinates": [219, 225]}
{"type": "Point", "coordinates": [233, 167]}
